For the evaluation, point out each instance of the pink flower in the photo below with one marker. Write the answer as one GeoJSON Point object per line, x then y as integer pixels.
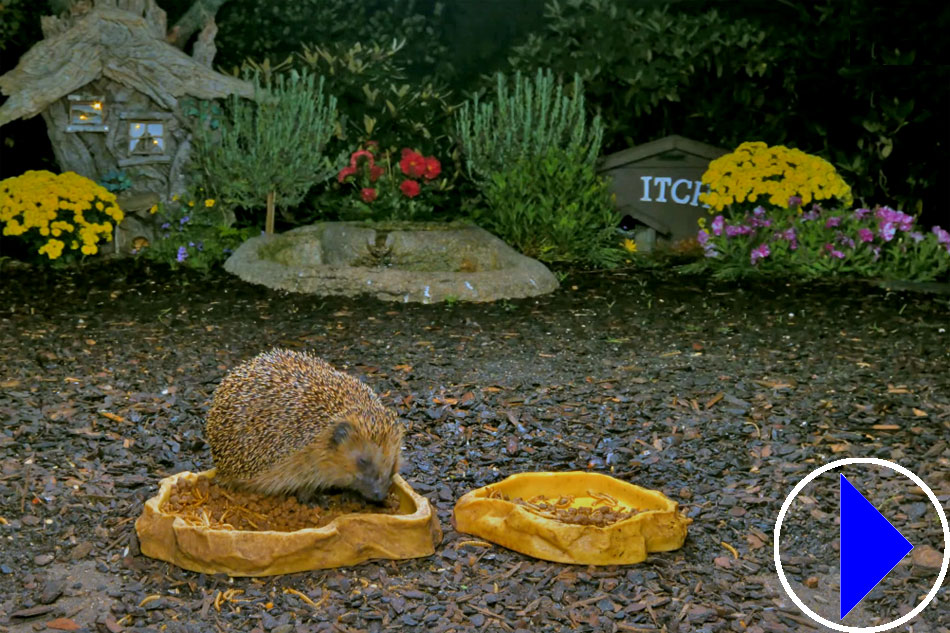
{"type": "Point", "coordinates": [795, 201]}
{"type": "Point", "coordinates": [832, 222]}
{"type": "Point", "coordinates": [866, 235]}
{"type": "Point", "coordinates": [410, 188]}
{"type": "Point", "coordinates": [717, 225]}
{"type": "Point", "coordinates": [833, 251]}
{"type": "Point", "coordinates": [368, 194]}
{"type": "Point", "coordinates": [760, 252]}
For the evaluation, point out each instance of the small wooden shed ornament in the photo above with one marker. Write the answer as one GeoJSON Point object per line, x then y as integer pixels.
{"type": "Point", "coordinates": [658, 184]}
{"type": "Point", "coordinates": [109, 87]}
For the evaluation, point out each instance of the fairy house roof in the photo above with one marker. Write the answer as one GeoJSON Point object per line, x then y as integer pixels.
{"type": "Point", "coordinates": [120, 40]}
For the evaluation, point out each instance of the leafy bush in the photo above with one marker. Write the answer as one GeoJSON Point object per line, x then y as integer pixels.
{"type": "Point", "coordinates": [269, 151]}
{"type": "Point", "coordinates": [647, 68]}
{"type": "Point", "coordinates": [882, 243]}
{"type": "Point", "coordinates": [534, 119]}
{"type": "Point", "coordinates": [59, 216]}
{"type": "Point", "coordinates": [554, 208]}
{"type": "Point", "coordinates": [192, 235]}
{"type": "Point", "coordinates": [276, 29]}
{"type": "Point", "coordinates": [382, 192]}
{"type": "Point", "coordinates": [375, 99]}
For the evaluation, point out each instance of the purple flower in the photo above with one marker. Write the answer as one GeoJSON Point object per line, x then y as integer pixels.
{"type": "Point", "coordinates": [717, 225]}
{"type": "Point", "coordinates": [182, 254]}
{"type": "Point", "coordinates": [191, 244]}
{"type": "Point", "coordinates": [916, 235]}
{"type": "Point", "coordinates": [166, 226]}
{"type": "Point", "coordinates": [710, 250]}
{"type": "Point", "coordinates": [759, 252]}
{"type": "Point", "coordinates": [832, 222]}
{"type": "Point", "coordinates": [759, 211]}
{"type": "Point", "coordinates": [795, 201]}
{"type": "Point", "coordinates": [866, 235]}
{"type": "Point", "coordinates": [887, 215]}
{"type": "Point", "coordinates": [860, 213]}
{"type": "Point", "coordinates": [184, 220]}
{"type": "Point", "coordinates": [877, 252]}
{"type": "Point", "coordinates": [943, 237]}
{"type": "Point", "coordinates": [833, 251]}
{"type": "Point", "coordinates": [887, 231]}
{"type": "Point", "coordinates": [201, 246]}
{"type": "Point", "coordinates": [811, 215]}
{"type": "Point", "coordinates": [702, 237]}
{"type": "Point", "coordinates": [733, 231]}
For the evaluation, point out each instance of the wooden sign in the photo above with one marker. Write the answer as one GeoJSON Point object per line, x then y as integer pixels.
{"type": "Point", "coordinates": [658, 184]}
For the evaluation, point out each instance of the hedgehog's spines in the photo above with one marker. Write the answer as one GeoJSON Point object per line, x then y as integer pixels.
{"type": "Point", "coordinates": [287, 422]}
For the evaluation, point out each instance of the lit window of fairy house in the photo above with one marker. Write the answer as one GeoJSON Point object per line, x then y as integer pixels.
{"type": "Point", "coordinates": [110, 89]}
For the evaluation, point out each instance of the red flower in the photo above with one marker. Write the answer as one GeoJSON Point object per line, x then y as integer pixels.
{"type": "Point", "coordinates": [375, 171]}
{"type": "Point", "coordinates": [362, 153]}
{"type": "Point", "coordinates": [433, 168]}
{"type": "Point", "coordinates": [368, 194]}
{"type": "Point", "coordinates": [410, 188]}
{"type": "Point", "coordinates": [346, 172]}
{"type": "Point", "coordinates": [412, 163]}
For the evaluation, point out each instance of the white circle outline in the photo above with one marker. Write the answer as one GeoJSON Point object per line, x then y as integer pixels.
{"type": "Point", "coordinates": [887, 625]}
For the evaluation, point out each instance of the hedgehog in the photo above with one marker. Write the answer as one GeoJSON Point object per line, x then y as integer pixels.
{"type": "Point", "coordinates": [288, 423]}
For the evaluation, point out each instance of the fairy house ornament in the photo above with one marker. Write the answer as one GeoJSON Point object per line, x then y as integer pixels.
{"type": "Point", "coordinates": [657, 185]}
{"type": "Point", "coordinates": [110, 88]}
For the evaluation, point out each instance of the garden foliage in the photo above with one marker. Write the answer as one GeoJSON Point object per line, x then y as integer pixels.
{"type": "Point", "coordinates": [553, 207]}
{"type": "Point", "coordinates": [532, 153]}
{"type": "Point", "coordinates": [759, 194]}
{"type": "Point", "coordinates": [527, 121]}
{"type": "Point", "coordinates": [193, 234]}
{"type": "Point", "coordinates": [269, 151]}
{"type": "Point", "coordinates": [386, 189]}
{"type": "Point", "coordinates": [59, 216]}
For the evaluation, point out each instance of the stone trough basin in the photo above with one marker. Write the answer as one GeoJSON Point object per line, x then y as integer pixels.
{"type": "Point", "coordinates": [407, 262]}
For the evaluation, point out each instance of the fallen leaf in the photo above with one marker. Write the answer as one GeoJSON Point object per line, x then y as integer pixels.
{"type": "Point", "coordinates": [63, 624]}
{"type": "Point", "coordinates": [886, 427]}
{"type": "Point", "coordinates": [919, 413]}
{"type": "Point", "coordinates": [927, 556]}
{"type": "Point", "coordinates": [723, 561]}
{"type": "Point", "coordinates": [716, 398]}
{"type": "Point", "coordinates": [897, 389]}
{"type": "Point", "coordinates": [112, 416]}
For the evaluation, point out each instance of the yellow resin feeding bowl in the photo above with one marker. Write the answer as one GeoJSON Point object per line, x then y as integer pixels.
{"type": "Point", "coordinates": [349, 539]}
{"type": "Point", "coordinates": [655, 526]}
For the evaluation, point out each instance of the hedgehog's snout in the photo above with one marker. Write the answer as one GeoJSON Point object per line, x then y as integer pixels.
{"type": "Point", "coordinates": [376, 489]}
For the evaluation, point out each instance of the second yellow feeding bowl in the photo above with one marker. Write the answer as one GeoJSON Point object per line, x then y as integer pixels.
{"type": "Point", "coordinates": [573, 517]}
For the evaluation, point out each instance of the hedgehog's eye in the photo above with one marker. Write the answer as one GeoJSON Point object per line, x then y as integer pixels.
{"type": "Point", "coordinates": [363, 463]}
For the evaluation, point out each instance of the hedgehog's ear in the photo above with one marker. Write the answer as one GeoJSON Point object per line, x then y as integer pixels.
{"type": "Point", "coordinates": [340, 433]}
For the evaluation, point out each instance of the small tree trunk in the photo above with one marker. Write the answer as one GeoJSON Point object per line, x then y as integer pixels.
{"type": "Point", "coordinates": [269, 224]}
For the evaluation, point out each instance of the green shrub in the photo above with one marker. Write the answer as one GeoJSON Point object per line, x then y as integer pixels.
{"type": "Point", "coordinates": [193, 234]}
{"type": "Point", "coordinates": [277, 29]}
{"type": "Point", "coordinates": [787, 243]}
{"type": "Point", "coordinates": [554, 208]}
{"type": "Point", "coordinates": [269, 151]}
{"type": "Point", "coordinates": [530, 122]}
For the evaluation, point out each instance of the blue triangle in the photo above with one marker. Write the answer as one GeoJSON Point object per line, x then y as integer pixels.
{"type": "Point", "coordinates": [870, 547]}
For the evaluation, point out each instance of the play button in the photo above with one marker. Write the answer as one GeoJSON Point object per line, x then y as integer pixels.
{"type": "Point", "coordinates": [870, 547]}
